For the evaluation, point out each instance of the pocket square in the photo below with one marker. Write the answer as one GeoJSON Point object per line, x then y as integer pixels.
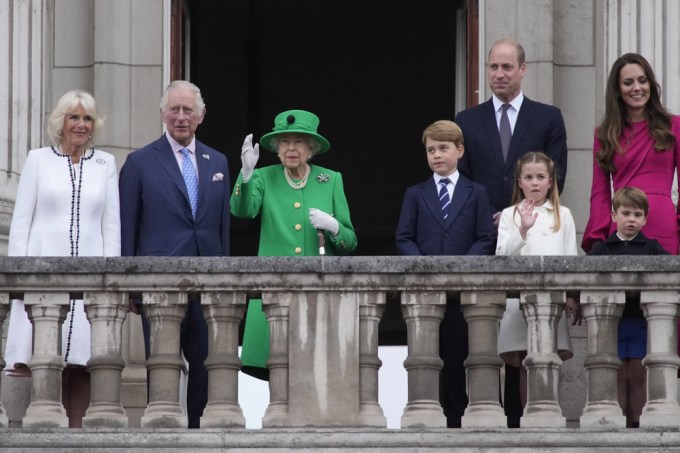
{"type": "Point", "coordinates": [218, 177]}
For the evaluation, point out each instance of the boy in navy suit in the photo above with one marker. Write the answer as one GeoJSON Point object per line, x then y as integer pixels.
{"type": "Point", "coordinates": [447, 215]}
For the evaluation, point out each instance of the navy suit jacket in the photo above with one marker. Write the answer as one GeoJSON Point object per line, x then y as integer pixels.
{"type": "Point", "coordinates": [155, 213]}
{"type": "Point", "coordinates": [468, 229]}
{"type": "Point", "coordinates": [539, 127]}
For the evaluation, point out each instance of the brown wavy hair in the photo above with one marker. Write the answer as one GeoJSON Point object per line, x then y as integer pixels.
{"type": "Point", "coordinates": [615, 119]}
{"type": "Point", "coordinates": [537, 157]}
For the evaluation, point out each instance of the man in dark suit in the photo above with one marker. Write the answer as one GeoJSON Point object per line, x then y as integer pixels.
{"type": "Point", "coordinates": [497, 133]}
{"type": "Point", "coordinates": [447, 215]}
{"type": "Point", "coordinates": [174, 201]}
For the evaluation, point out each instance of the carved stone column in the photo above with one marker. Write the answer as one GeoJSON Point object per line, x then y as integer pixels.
{"type": "Point", "coordinates": [165, 312]}
{"type": "Point", "coordinates": [323, 356]}
{"type": "Point", "coordinates": [542, 310]}
{"type": "Point", "coordinates": [371, 307]}
{"type": "Point", "coordinates": [423, 313]}
{"type": "Point", "coordinates": [106, 312]}
{"type": "Point", "coordinates": [276, 307]}
{"type": "Point", "coordinates": [4, 308]}
{"type": "Point", "coordinates": [662, 361]}
{"type": "Point", "coordinates": [602, 311]}
{"type": "Point", "coordinates": [483, 312]}
{"type": "Point", "coordinates": [47, 312]}
{"type": "Point", "coordinates": [223, 313]}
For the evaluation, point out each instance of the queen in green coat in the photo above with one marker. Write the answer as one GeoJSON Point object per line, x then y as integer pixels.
{"type": "Point", "coordinates": [296, 200]}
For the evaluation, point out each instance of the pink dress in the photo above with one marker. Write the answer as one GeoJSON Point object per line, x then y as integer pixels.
{"type": "Point", "coordinates": [642, 167]}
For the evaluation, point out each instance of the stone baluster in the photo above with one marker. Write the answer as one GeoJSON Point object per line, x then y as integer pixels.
{"type": "Point", "coordinates": [47, 312]}
{"type": "Point", "coordinates": [542, 310]}
{"type": "Point", "coordinates": [4, 308]}
{"type": "Point", "coordinates": [165, 312]}
{"type": "Point", "coordinates": [106, 312]}
{"type": "Point", "coordinates": [423, 313]}
{"type": "Point", "coordinates": [223, 313]}
{"type": "Point", "coordinates": [371, 307]}
{"type": "Point", "coordinates": [276, 308]}
{"type": "Point", "coordinates": [483, 312]}
{"type": "Point", "coordinates": [662, 361]}
{"type": "Point", "coordinates": [602, 311]}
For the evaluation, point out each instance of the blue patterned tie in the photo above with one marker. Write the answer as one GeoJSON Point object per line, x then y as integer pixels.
{"type": "Point", "coordinates": [444, 200]}
{"type": "Point", "coordinates": [505, 131]}
{"type": "Point", "coordinates": [189, 174]}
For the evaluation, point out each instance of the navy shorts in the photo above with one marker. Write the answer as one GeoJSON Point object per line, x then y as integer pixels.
{"type": "Point", "coordinates": [632, 338]}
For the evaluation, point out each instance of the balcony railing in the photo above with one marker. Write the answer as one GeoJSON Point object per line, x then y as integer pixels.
{"type": "Point", "coordinates": [324, 314]}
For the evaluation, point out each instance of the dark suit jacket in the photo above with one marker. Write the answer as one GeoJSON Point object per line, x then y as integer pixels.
{"type": "Point", "coordinates": [539, 127]}
{"type": "Point", "coordinates": [468, 229]}
{"type": "Point", "coordinates": [155, 213]}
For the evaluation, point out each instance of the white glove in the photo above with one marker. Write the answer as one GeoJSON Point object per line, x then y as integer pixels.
{"type": "Point", "coordinates": [249, 156]}
{"type": "Point", "coordinates": [322, 221]}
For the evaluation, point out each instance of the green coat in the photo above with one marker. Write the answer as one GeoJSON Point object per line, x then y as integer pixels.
{"type": "Point", "coordinates": [286, 231]}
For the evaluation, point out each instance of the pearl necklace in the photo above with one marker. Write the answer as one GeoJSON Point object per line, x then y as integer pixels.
{"type": "Point", "coordinates": [301, 183]}
{"type": "Point", "coordinates": [76, 185]}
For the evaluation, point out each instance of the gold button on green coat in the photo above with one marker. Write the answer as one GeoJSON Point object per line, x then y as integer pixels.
{"type": "Point", "coordinates": [268, 194]}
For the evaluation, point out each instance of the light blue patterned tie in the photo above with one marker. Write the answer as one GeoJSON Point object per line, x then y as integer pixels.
{"type": "Point", "coordinates": [444, 199]}
{"type": "Point", "coordinates": [189, 174]}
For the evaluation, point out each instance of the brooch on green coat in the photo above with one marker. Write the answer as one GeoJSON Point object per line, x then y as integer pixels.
{"type": "Point", "coordinates": [323, 177]}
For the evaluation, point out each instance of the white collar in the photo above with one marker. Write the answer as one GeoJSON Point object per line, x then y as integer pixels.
{"type": "Point", "coordinates": [453, 177]}
{"type": "Point", "coordinates": [176, 146]}
{"type": "Point", "coordinates": [515, 103]}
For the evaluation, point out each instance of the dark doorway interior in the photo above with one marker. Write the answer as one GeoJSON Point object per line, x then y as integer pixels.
{"type": "Point", "coordinates": [377, 72]}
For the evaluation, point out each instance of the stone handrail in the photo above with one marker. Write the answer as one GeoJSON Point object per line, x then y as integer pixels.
{"type": "Point", "coordinates": [324, 314]}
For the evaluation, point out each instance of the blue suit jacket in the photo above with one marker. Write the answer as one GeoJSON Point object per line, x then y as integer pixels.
{"type": "Point", "coordinates": [468, 229]}
{"type": "Point", "coordinates": [155, 213]}
{"type": "Point", "coordinates": [539, 127]}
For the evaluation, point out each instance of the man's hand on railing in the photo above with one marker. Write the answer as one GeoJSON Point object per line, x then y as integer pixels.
{"type": "Point", "coordinates": [573, 309]}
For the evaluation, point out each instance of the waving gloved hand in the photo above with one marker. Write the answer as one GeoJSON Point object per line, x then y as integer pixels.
{"type": "Point", "coordinates": [323, 221]}
{"type": "Point", "coordinates": [249, 156]}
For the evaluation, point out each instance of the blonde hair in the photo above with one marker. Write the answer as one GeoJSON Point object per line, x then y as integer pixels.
{"type": "Point", "coordinates": [537, 157]}
{"type": "Point", "coordinates": [444, 131]}
{"type": "Point", "coordinates": [68, 103]}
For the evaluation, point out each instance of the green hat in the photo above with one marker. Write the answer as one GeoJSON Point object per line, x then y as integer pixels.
{"type": "Point", "coordinates": [295, 122]}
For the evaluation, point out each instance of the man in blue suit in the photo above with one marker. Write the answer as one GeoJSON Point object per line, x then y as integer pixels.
{"type": "Point", "coordinates": [534, 127]}
{"type": "Point", "coordinates": [447, 215]}
{"type": "Point", "coordinates": [492, 154]}
{"type": "Point", "coordinates": [174, 201]}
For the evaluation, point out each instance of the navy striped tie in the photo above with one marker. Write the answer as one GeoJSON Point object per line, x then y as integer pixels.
{"type": "Point", "coordinates": [444, 200]}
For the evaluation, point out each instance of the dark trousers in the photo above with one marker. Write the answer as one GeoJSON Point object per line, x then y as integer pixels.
{"type": "Point", "coordinates": [512, 402]}
{"type": "Point", "coordinates": [453, 349]}
{"type": "Point", "coordinates": [194, 345]}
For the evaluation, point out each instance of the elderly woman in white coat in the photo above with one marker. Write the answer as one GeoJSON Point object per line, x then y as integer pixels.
{"type": "Point", "coordinates": [67, 205]}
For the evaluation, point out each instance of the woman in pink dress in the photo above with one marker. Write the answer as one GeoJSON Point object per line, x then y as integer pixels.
{"type": "Point", "coordinates": [635, 145]}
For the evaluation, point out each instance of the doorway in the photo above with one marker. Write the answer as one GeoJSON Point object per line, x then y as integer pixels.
{"type": "Point", "coordinates": [376, 72]}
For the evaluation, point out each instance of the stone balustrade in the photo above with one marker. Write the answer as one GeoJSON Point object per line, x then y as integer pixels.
{"type": "Point", "coordinates": [324, 314]}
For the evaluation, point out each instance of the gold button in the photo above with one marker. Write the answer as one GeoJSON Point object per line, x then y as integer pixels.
{"type": "Point", "coordinates": [297, 205]}
{"type": "Point", "coordinates": [298, 250]}
{"type": "Point", "coordinates": [298, 227]}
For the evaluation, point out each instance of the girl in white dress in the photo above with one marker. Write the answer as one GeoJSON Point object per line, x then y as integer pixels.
{"type": "Point", "coordinates": [536, 224]}
{"type": "Point", "coordinates": [67, 205]}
